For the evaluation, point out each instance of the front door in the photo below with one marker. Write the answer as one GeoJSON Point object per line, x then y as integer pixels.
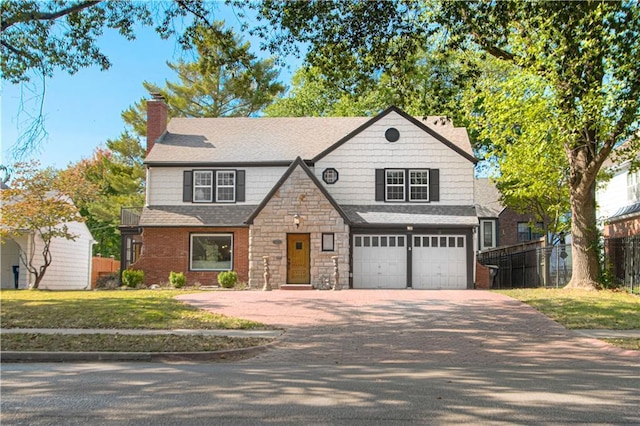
{"type": "Point", "coordinates": [298, 264]}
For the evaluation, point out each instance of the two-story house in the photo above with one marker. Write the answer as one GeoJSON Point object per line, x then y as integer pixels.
{"type": "Point", "coordinates": [391, 198]}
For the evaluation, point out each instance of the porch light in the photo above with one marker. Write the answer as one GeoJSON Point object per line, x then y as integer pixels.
{"type": "Point", "coordinates": [296, 220]}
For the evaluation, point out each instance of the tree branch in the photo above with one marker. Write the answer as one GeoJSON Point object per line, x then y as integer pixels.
{"type": "Point", "coordinates": [49, 16]}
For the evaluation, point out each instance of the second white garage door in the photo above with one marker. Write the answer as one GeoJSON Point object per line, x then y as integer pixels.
{"type": "Point", "coordinates": [439, 262]}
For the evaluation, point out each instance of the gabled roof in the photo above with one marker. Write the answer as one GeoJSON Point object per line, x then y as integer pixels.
{"type": "Point", "coordinates": [277, 140]}
{"type": "Point", "coordinates": [487, 198]}
{"type": "Point", "coordinates": [297, 163]}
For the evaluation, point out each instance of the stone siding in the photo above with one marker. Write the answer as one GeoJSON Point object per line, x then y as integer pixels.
{"type": "Point", "coordinates": [268, 233]}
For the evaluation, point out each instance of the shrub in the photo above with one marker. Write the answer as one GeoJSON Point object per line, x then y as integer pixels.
{"type": "Point", "coordinates": [228, 279]}
{"type": "Point", "coordinates": [177, 279]}
{"type": "Point", "coordinates": [108, 282]}
{"type": "Point", "coordinates": [132, 277]}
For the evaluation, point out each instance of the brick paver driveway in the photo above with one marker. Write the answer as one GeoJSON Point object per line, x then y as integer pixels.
{"type": "Point", "coordinates": [457, 327]}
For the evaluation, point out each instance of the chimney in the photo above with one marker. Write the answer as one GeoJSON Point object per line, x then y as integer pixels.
{"type": "Point", "coordinates": [156, 119]}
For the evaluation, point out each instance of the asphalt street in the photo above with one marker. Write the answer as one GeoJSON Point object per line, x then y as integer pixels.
{"type": "Point", "coordinates": [356, 358]}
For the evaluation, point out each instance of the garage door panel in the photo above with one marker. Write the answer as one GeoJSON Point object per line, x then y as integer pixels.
{"type": "Point", "coordinates": [439, 262]}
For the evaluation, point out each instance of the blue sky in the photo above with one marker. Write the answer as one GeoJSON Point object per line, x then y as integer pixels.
{"type": "Point", "coordinates": [83, 110]}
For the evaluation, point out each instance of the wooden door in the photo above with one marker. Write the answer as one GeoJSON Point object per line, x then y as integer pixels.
{"type": "Point", "coordinates": [298, 261]}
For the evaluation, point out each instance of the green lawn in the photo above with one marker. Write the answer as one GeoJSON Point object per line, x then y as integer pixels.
{"type": "Point", "coordinates": [577, 309]}
{"type": "Point", "coordinates": [149, 309]}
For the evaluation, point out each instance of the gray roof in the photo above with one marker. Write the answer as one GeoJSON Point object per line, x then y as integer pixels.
{"type": "Point", "coordinates": [625, 212]}
{"type": "Point", "coordinates": [267, 139]}
{"type": "Point", "coordinates": [196, 215]}
{"type": "Point", "coordinates": [423, 214]}
{"type": "Point", "coordinates": [487, 198]}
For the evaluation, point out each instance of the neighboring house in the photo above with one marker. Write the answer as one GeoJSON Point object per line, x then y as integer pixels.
{"type": "Point", "coordinates": [499, 225]}
{"type": "Point", "coordinates": [618, 210]}
{"type": "Point", "coordinates": [391, 198]}
{"type": "Point", "coordinates": [70, 268]}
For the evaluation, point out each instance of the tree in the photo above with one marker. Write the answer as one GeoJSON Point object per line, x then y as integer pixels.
{"type": "Point", "coordinates": [226, 80]}
{"type": "Point", "coordinates": [586, 54]}
{"type": "Point", "coordinates": [38, 38]}
{"type": "Point", "coordinates": [514, 122]}
{"type": "Point", "coordinates": [37, 206]}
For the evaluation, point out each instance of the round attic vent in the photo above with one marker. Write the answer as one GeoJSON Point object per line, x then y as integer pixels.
{"type": "Point", "coordinates": [392, 134]}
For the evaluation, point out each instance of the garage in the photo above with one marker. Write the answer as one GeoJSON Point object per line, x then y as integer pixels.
{"type": "Point", "coordinates": [435, 261]}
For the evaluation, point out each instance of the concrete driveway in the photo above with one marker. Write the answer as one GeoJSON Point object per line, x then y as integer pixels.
{"type": "Point", "coordinates": [456, 328]}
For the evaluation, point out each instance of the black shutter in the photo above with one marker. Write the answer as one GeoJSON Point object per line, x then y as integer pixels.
{"type": "Point", "coordinates": [187, 186]}
{"type": "Point", "coordinates": [240, 185]}
{"type": "Point", "coordinates": [434, 185]}
{"type": "Point", "coordinates": [379, 184]}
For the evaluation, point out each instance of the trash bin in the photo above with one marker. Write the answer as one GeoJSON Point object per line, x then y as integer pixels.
{"type": "Point", "coordinates": [16, 275]}
{"type": "Point", "coordinates": [493, 273]}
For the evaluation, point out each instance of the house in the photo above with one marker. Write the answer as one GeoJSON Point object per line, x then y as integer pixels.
{"type": "Point", "coordinates": [499, 225]}
{"type": "Point", "coordinates": [389, 198]}
{"type": "Point", "coordinates": [618, 211]}
{"type": "Point", "coordinates": [70, 267]}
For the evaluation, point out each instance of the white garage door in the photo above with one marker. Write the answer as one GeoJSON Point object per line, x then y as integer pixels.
{"type": "Point", "coordinates": [439, 262]}
{"type": "Point", "coordinates": [379, 261]}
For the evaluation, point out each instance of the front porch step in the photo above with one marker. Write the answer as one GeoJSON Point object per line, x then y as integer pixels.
{"type": "Point", "coordinates": [296, 287]}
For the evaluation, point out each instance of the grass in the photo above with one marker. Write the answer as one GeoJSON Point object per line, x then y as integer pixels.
{"type": "Point", "coordinates": [124, 343]}
{"type": "Point", "coordinates": [124, 309]}
{"type": "Point", "coordinates": [578, 309]}
{"type": "Point", "coordinates": [137, 309]}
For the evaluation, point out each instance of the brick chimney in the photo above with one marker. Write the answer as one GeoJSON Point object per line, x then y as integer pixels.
{"type": "Point", "coordinates": [156, 119]}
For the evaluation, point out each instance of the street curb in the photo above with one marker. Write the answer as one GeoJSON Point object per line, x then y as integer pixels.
{"type": "Point", "coordinates": [216, 356]}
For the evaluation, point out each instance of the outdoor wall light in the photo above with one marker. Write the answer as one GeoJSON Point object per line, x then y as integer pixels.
{"type": "Point", "coordinates": [296, 220]}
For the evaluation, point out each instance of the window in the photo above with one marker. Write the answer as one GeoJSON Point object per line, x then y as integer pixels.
{"type": "Point", "coordinates": [633, 186]}
{"type": "Point", "coordinates": [226, 187]}
{"type": "Point", "coordinates": [203, 186]}
{"type": "Point", "coordinates": [330, 176]}
{"type": "Point", "coordinates": [328, 242]}
{"type": "Point", "coordinates": [412, 185]}
{"type": "Point", "coordinates": [525, 233]}
{"type": "Point", "coordinates": [487, 234]}
{"type": "Point", "coordinates": [211, 252]}
{"type": "Point", "coordinates": [418, 185]}
{"type": "Point", "coordinates": [395, 185]}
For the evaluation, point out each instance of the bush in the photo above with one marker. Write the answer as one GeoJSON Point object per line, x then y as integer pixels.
{"type": "Point", "coordinates": [132, 277]}
{"type": "Point", "coordinates": [108, 282]}
{"type": "Point", "coordinates": [177, 279]}
{"type": "Point", "coordinates": [228, 279]}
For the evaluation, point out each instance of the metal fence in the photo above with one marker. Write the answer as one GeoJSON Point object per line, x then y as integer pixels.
{"type": "Point", "coordinates": [532, 267]}
{"type": "Point", "coordinates": [622, 257]}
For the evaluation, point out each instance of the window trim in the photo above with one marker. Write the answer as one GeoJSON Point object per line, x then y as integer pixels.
{"type": "Point", "coordinates": [402, 185]}
{"type": "Point", "coordinates": [410, 185]}
{"type": "Point", "coordinates": [213, 234]}
{"type": "Point", "coordinates": [494, 234]}
{"type": "Point", "coordinates": [218, 187]}
{"type": "Point", "coordinates": [210, 186]}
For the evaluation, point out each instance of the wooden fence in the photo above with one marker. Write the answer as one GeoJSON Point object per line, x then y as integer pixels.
{"type": "Point", "coordinates": [103, 266]}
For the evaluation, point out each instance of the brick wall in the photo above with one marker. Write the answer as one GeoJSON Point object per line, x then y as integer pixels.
{"type": "Point", "coordinates": [268, 236]}
{"type": "Point", "coordinates": [167, 249]}
{"type": "Point", "coordinates": [508, 227]}
{"type": "Point", "coordinates": [483, 277]}
{"type": "Point", "coordinates": [623, 228]}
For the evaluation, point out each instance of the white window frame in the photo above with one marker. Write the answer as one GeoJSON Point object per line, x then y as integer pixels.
{"type": "Point", "coordinates": [191, 263]}
{"type": "Point", "coordinates": [223, 186]}
{"type": "Point", "coordinates": [633, 186]}
{"type": "Point", "coordinates": [483, 223]}
{"type": "Point", "coordinates": [197, 186]}
{"type": "Point", "coordinates": [419, 185]}
{"type": "Point", "coordinates": [388, 185]}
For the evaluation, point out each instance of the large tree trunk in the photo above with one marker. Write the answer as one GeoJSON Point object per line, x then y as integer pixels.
{"type": "Point", "coordinates": [584, 238]}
